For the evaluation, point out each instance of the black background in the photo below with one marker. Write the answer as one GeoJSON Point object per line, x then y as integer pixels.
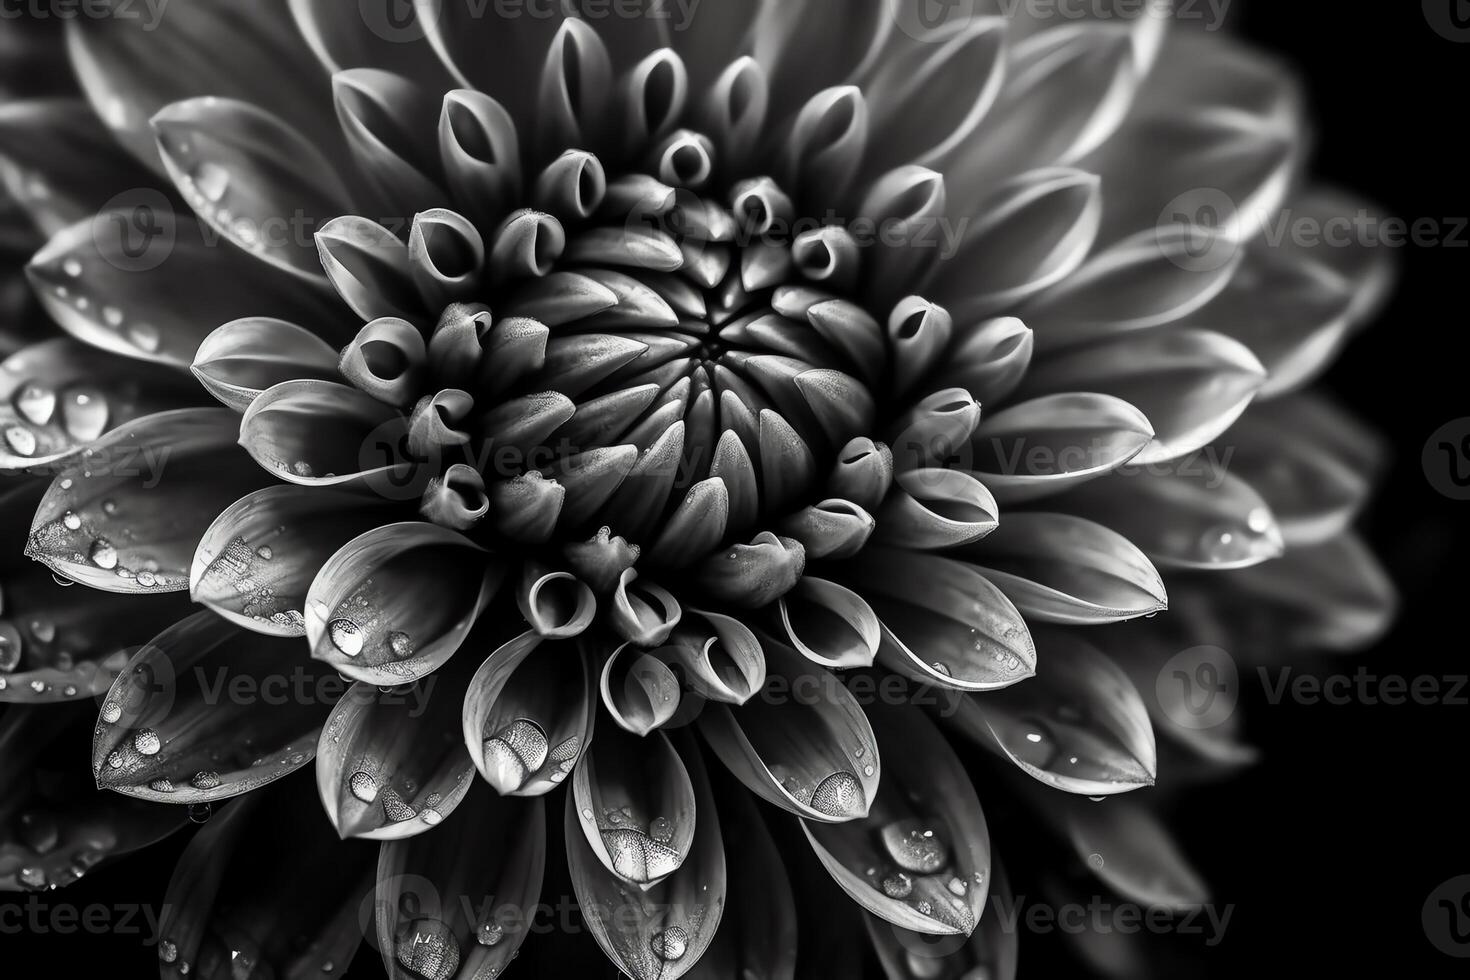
{"type": "Point", "coordinates": [1329, 847]}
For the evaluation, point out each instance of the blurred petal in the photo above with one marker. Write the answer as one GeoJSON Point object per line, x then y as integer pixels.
{"type": "Point", "coordinates": [943, 622]}
{"type": "Point", "coordinates": [256, 562]}
{"type": "Point", "coordinates": [528, 718]}
{"type": "Point", "coordinates": [371, 34]}
{"type": "Point", "coordinates": [803, 743]}
{"type": "Point", "coordinates": [184, 721]}
{"type": "Point", "coordinates": [394, 604]}
{"type": "Point", "coordinates": [1139, 857]}
{"type": "Point", "coordinates": [920, 858]}
{"type": "Point", "coordinates": [391, 126]}
{"type": "Point", "coordinates": [464, 895]}
{"type": "Point", "coordinates": [797, 46]}
{"type": "Point", "coordinates": [1079, 726]}
{"type": "Point", "coordinates": [125, 515]}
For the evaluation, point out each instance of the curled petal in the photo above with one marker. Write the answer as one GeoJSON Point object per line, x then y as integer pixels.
{"type": "Point", "coordinates": [831, 529]}
{"type": "Point", "coordinates": [480, 152]}
{"type": "Point", "coordinates": [828, 255]}
{"type": "Point", "coordinates": [1139, 857]}
{"type": "Point", "coordinates": [657, 933]}
{"type": "Point", "coordinates": [637, 806]}
{"type": "Point", "coordinates": [934, 508]}
{"type": "Point", "coordinates": [1033, 232]}
{"type": "Point", "coordinates": [919, 332]}
{"type": "Point", "coordinates": [318, 433]}
{"type": "Point", "coordinates": [829, 625]}
{"type": "Point", "coordinates": [434, 424]}
{"type": "Point", "coordinates": [225, 157]}
{"type": "Point", "coordinates": [63, 827]}
{"type": "Point", "coordinates": [245, 357]}
{"type": "Point", "coordinates": [863, 473]}
{"type": "Point", "coordinates": [735, 110]}
{"type": "Point", "coordinates": [125, 514]}
{"type": "Point", "coordinates": [572, 186]}
{"type": "Point", "coordinates": [59, 395]}
{"type": "Point", "coordinates": [943, 622]}
{"type": "Point", "coordinates": [1049, 444]}
{"type": "Point", "coordinates": [752, 575]}
{"type": "Point", "coordinates": [175, 729]}
{"type": "Point", "coordinates": [1198, 516]}
{"type": "Point", "coordinates": [526, 508]}
{"type": "Point", "coordinates": [575, 88]}
{"type": "Point", "coordinates": [446, 257]}
{"type": "Point", "coordinates": [255, 564]}
{"type": "Point", "coordinates": [1191, 384]}
{"type": "Point", "coordinates": [935, 429]}
{"type": "Point", "coordinates": [394, 604]}
{"type": "Point", "coordinates": [920, 857]}
{"type": "Point", "coordinates": [261, 889]}
{"type": "Point", "coordinates": [458, 343]}
{"type": "Point", "coordinates": [801, 50]}
{"type": "Point", "coordinates": [644, 614]}
{"type": "Point", "coordinates": [389, 121]}
{"type": "Point", "coordinates": [528, 719]}
{"type": "Point", "coordinates": [803, 743]}
{"type": "Point", "coordinates": [387, 359]}
{"type": "Point", "coordinates": [470, 887]}
{"type": "Point", "coordinates": [388, 766]}
{"type": "Point", "coordinates": [639, 690]}
{"type": "Point", "coordinates": [457, 500]}
{"type": "Point", "coordinates": [655, 92]}
{"type": "Point", "coordinates": [1079, 726]}
{"type": "Point", "coordinates": [825, 146]}
{"type": "Point", "coordinates": [369, 267]}
{"type": "Point", "coordinates": [556, 604]}
{"type": "Point", "coordinates": [989, 359]}
{"type": "Point", "coordinates": [1062, 569]}
{"type": "Point", "coordinates": [720, 656]}
{"type": "Point", "coordinates": [907, 203]}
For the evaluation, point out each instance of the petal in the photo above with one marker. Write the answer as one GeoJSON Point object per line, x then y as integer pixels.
{"type": "Point", "coordinates": [936, 508]}
{"type": "Point", "coordinates": [256, 562]}
{"type": "Point", "coordinates": [388, 766]}
{"type": "Point", "coordinates": [1062, 569]}
{"type": "Point", "coordinates": [643, 614]}
{"type": "Point", "coordinates": [245, 357]}
{"type": "Point", "coordinates": [261, 890]}
{"type": "Point", "coordinates": [471, 886]}
{"type": "Point", "coordinates": [943, 622]}
{"type": "Point", "coordinates": [661, 932]}
{"type": "Point", "coordinates": [802, 53]}
{"type": "Point", "coordinates": [394, 604]}
{"type": "Point", "coordinates": [374, 34]}
{"type": "Point", "coordinates": [480, 150]}
{"type": "Point", "coordinates": [528, 719]}
{"type": "Point", "coordinates": [125, 515]}
{"type": "Point", "coordinates": [64, 828]}
{"type": "Point", "coordinates": [637, 806]}
{"type": "Point", "coordinates": [1191, 384]}
{"type": "Point", "coordinates": [639, 690]}
{"type": "Point", "coordinates": [139, 281]}
{"type": "Point", "coordinates": [324, 434]}
{"type": "Point", "coordinates": [920, 858]}
{"type": "Point", "coordinates": [59, 395]}
{"type": "Point", "coordinates": [721, 657]}
{"type": "Point", "coordinates": [1194, 515]}
{"type": "Point", "coordinates": [1049, 444]}
{"type": "Point", "coordinates": [803, 743]}
{"type": "Point", "coordinates": [246, 172]}
{"type": "Point", "coordinates": [1139, 857]}
{"type": "Point", "coordinates": [988, 359]}
{"type": "Point", "coordinates": [183, 722]}
{"type": "Point", "coordinates": [829, 625]}
{"type": "Point", "coordinates": [502, 61]}
{"type": "Point", "coordinates": [391, 128]}
{"type": "Point", "coordinates": [1079, 726]}
{"type": "Point", "coordinates": [369, 268]}
{"type": "Point", "coordinates": [992, 947]}
{"type": "Point", "coordinates": [556, 604]}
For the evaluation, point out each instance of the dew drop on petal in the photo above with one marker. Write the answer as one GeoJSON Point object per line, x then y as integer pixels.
{"type": "Point", "coordinates": [200, 812]}
{"type": "Point", "coordinates": [103, 554]}
{"type": "Point", "coordinates": [363, 786]}
{"type": "Point", "coordinates": [162, 786]}
{"type": "Point", "coordinates": [914, 847]}
{"type": "Point", "coordinates": [84, 415]}
{"type": "Point", "coordinates": [840, 795]}
{"type": "Point", "coordinates": [10, 647]}
{"type": "Point", "coordinates": [147, 742]}
{"type": "Point", "coordinates": [22, 441]}
{"type": "Point", "coordinates": [490, 933]}
{"type": "Point", "coordinates": [670, 944]}
{"type": "Point", "coordinates": [346, 636]}
{"type": "Point", "coordinates": [661, 829]}
{"type": "Point", "coordinates": [168, 951]}
{"type": "Point", "coordinates": [898, 885]}
{"type": "Point", "coordinates": [36, 404]}
{"type": "Point", "coordinates": [400, 643]}
{"type": "Point", "coordinates": [71, 521]}
{"type": "Point", "coordinates": [429, 949]}
{"type": "Point", "coordinates": [205, 780]}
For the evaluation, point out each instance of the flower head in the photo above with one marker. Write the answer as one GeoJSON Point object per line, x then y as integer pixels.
{"type": "Point", "coordinates": [583, 378]}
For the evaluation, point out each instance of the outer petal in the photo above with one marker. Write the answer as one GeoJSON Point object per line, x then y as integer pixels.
{"type": "Point", "coordinates": [465, 895]}
{"type": "Point", "coordinates": [921, 857]}
{"type": "Point", "coordinates": [321, 433]}
{"type": "Point", "coordinates": [1139, 857]}
{"type": "Point", "coordinates": [191, 719]}
{"type": "Point", "coordinates": [125, 515]}
{"type": "Point", "coordinates": [395, 603]}
{"type": "Point", "coordinates": [242, 359]}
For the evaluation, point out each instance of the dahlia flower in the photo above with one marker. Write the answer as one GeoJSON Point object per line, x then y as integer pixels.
{"type": "Point", "coordinates": [634, 412]}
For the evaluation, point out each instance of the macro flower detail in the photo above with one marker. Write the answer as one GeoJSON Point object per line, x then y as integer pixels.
{"type": "Point", "coordinates": [564, 404]}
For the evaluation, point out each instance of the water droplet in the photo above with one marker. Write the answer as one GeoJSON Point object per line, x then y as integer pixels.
{"type": "Point", "coordinates": [670, 944]}
{"type": "Point", "coordinates": [346, 636]}
{"type": "Point", "coordinates": [84, 415]}
{"type": "Point", "coordinates": [516, 751]}
{"type": "Point", "coordinates": [10, 647]}
{"type": "Point", "coordinates": [958, 887]}
{"type": "Point", "coordinates": [264, 551]}
{"type": "Point", "coordinates": [395, 807]}
{"type": "Point", "coordinates": [147, 742]}
{"type": "Point", "coordinates": [145, 337]}
{"type": "Point", "coordinates": [400, 644]}
{"type": "Point", "coordinates": [43, 630]}
{"type": "Point", "coordinates": [168, 951]}
{"type": "Point", "coordinates": [38, 832]}
{"type": "Point", "coordinates": [840, 795]}
{"type": "Point", "coordinates": [363, 786]}
{"type": "Point", "coordinates": [200, 812]}
{"type": "Point", "coordinates": [941, 669]}
{"type": "Point", "coordinates": [638, 857]}
{"type": "Point", "coordinates": [205, 780]}
{"type": "Point", "coordinates": [162, 786]}
{"type": "Point", "coordinates": [915, 848]}
{"type": "Point", "coordinates": [71, 521]}
{"type": "Point", "coordinates": [103, 554]}
{"type": "Point", "coordinates": [429, 949]}
{"type": "Point", "coordinates": [31, 877]}
{"type": "Point", "coordinates": [22, 441]}
{"type": "Point", "coordinates": [72, 266]}
{"type": "Point", "coordinates": [490, 933]}
{"type": "Point", "coordinates": [898, 885]}
{"type": "Point", "coordinates": [36, 404]}
{"type": "Point", "coordinates": [212, 181]}
{"type": "Point", "coordinates": [661, 829]}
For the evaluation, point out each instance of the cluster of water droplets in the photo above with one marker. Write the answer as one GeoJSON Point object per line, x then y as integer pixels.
{"type": "Point", "coordinates": [39, 833]}
{"type": "Point", "coordinates": [522, 751]}
{"type": "Point", "coordinates": [240, 569]}
{"type": "Point", "coordinates": [66, 284]}
{"type": "Point", "coordinates": [641, 849]}
{"type": "Point", "coordinates": [838, 795]}
{"type": "Point", "coordinates": [357, 620]}
{"type": "Point", "coordinates": [920, 871]}
{"type": "Point", "coordinates": [74, 538]}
